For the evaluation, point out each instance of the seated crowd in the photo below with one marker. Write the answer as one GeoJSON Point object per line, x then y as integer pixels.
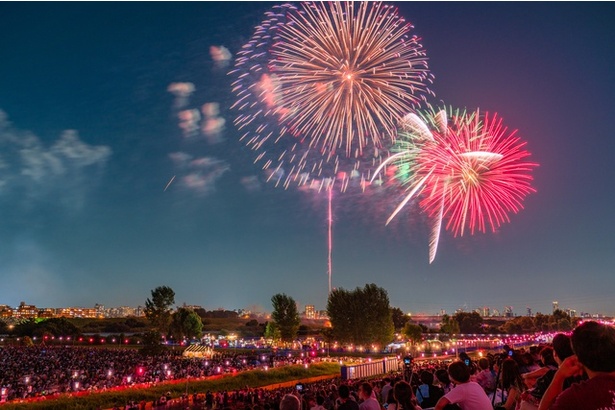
{"type": "Point", "coordinates": [35, 371]}
{"type": "Point", "coordinates": [573, 372]}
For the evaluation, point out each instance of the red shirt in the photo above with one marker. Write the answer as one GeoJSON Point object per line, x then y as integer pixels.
{"type": "Point", "coordinates": [597, 393]}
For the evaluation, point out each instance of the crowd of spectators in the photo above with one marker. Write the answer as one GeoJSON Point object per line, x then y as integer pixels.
{"type": "Point", "coordinates": [554, 376]}
{"type": "Point", "coordinates": [34, 371]}
{"type": "Point", "coordinates": [576, 371]}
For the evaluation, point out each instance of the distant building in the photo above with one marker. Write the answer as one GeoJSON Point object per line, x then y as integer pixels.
{"type": "Point", "coordinates": [78, 312]}
{"type": "Point", "coordinates": [555, 305]}
{"type": "Point", "coordinates": [508, 311]}
{"type": "Point", "coordinates": [5, 312]}
{"type": "Point", "coordinates": [310, 312]}
{"type": "Point", "coordinates": [46, 313]}
{"type": "Point", "coordinates": [100, 309]}
{"type": "Point", "coordinates": [122, 311]}
{"type": "Point", "coordinates": [429, 321]}
{"type": "Point", "coordinates": [24, 311]}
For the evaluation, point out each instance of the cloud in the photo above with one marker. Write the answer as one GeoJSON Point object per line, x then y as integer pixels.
{"type": "Point", "coordinates": [213, 125]}
{"type": "Point", "coordinates": [221, 55]}
{"type": "Point", "coordinates": [31, 171]}
{"type": "Point", "coordinates": [182, 92]}
{"type": "Point", "coordinates": [251, 183]}
{"type": "Point", "coordinates": [78, 153]}
{"type": "Point", "coordinates": [198, 175]}
{"type": "Point", "coordinates": [189, 122]}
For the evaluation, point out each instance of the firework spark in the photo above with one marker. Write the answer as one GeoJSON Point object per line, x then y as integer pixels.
{"type": "Point", "coordinates": [467, 169]}
{"type": "Point", "coordinates": [321, 88]}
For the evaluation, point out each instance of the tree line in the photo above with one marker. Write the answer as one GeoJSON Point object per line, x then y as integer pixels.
{"type": "Point", "coordinates": [362, 316]}
{"type": "Point", "coordinates": [472, 322]}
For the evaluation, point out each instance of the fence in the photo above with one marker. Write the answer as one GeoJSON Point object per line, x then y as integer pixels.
{"type": "Point", "coordinates": [374, 368]}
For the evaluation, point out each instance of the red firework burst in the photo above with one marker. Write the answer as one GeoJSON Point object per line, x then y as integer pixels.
{"type": "Point", "coordinates": [475, 173]}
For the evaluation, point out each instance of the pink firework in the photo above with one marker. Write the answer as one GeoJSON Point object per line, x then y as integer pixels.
{"type": "Point", "coordinates": [468, 170]}
{"type": "Point", "coordinates": [475, 173]}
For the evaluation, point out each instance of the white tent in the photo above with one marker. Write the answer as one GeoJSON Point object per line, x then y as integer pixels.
{"type": "Point", "coordinates": [198, 351]}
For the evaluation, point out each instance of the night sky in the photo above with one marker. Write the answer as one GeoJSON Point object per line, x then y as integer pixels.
{"type": "Point", "coordinates": [90, 138]}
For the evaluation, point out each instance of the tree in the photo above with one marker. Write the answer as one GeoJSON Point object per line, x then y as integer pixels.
{"type": "Point", "coordinates": [327, 336]}
{"type": "Point", "coordinates": [151, 344]}
{"type": "Point", "coordinates": [158, 309]}
{"type": "Point", "coordinates": [449, 325]}
{"type": "Point", "coordinates": [185, 323]}
{"type": "Point", "coordinates": [343, 314]}
{"type": "Point", "coordinates": [272, 331]}
{"type": "Point", "coordinates": [399, 319]}
{"type": "Point", "coordinates": [362, 316]}
{"type": "Point", "coordinates": [511, 326]}
{"type": "Point", "coordinates": [286, 316]}
{"type": "Point", "coordinates": [252, 323]}
{"type": "Point", "coordinates": [413, 332]}
{"type": "Point", "coordinates": [58, 327]}
{"type": "Point", "coordinates": [469, 322]}
{"type": "Point", "coordinates": [541, 322]}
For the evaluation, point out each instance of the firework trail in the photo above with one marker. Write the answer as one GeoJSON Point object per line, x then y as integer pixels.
{"type": "Point", "coordinates": [320, 89]}
{"type": "Point", "coordinates": [467, 169]}
{"type": "Point", "coordinates": [169, 183]}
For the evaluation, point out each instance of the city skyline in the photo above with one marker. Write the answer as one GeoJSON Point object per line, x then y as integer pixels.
{"type": "Point", "coordinates": [308, 309]}
{"type": "Point", "coordinates": [107, 189]}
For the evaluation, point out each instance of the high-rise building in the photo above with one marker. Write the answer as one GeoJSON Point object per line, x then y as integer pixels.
{"type": "Point", "coordinates": [555, 305]}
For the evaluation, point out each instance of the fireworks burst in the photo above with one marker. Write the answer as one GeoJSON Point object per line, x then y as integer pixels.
{"type": "Point", "coordinates": [467, 168]}
{"type": "Point", "coordinates": [322, 87]}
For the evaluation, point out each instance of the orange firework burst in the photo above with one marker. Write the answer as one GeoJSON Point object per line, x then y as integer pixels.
{"type": "Point", "coordinates": [336, 78]}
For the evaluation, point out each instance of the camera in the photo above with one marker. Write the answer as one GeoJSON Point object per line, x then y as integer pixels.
{"type": "Point", "coordinates": [408, 361]}
{"type": "Point", "coordinates": [299, 386]}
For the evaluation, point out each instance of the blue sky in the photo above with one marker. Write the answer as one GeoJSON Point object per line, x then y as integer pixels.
{"type": "Point", "coordinates": [90, 138]}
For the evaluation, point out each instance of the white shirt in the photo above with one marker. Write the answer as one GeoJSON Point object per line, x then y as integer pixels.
{"type": "Point", "coordinates": [469, 396]}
